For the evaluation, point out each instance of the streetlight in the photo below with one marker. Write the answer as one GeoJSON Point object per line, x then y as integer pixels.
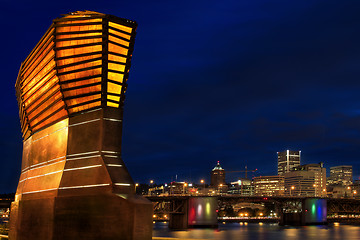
{"type": "Point", "coordinates": [203, 182]}
{"type": "Point", "coordinates": [292, 188]}
{"type": "Point", "coordinates": [185, 185]}
{"type": "Point", "coordinates": [136, 185]}
{"type": "Point", "coordinates": [151, 182]}
{"type": "Point", "coordinates": [220, 186]}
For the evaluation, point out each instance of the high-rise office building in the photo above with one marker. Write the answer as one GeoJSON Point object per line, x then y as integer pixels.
{"type": "Point", "coordinates": [288, 160]}
{"type": "Point", "coordinates": [341, 175]}
{"type": "Point", "coordinates": [307, 180]}
{"type": "Point", "coordinates": [300, 184]}
{"type": "Point", "coordinates": [269, 186]}
{"type": "Point", "coordinates": [217, 176]}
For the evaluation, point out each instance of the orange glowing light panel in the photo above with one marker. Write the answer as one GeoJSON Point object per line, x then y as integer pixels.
{"type": "Point", "coordinates": [81, 63]}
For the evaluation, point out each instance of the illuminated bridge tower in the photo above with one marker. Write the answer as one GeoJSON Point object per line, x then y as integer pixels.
{"type": "Point", "coordinates": [70, 90]}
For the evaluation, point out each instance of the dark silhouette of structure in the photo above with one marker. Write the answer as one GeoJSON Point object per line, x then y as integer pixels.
{"type": "Point", "coordinates": [71, 90]}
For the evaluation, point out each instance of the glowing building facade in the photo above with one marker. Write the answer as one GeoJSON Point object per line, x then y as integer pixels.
{"type": "Point", "coordinates": [300, 177]}
{"type": "Point", "coordinates": [71, 90]}
{"type": "Point", "coordinates": [269, 186]}
{"type": "Point", "coordinates": [307, 180]}
{"type": "Point", "coordinates": [341, 175]}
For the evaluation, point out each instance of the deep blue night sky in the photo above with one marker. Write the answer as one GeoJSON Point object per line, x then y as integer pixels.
{"type": "Point", "coordinates": [234, 81]}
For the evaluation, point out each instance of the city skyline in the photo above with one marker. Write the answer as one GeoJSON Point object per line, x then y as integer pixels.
{"type": "Point", "coordinates": [234, 81]}
{"type": "Point", "coordinates": [234, 174]}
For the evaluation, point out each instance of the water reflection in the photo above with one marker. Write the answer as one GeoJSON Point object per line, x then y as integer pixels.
{"type": "Point", "coordinates": [264, 231]}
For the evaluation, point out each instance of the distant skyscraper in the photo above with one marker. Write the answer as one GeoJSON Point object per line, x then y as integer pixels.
{"type": "Point", "coordinates": [288, 160]}
{"type": "Point", "coordinates": [341, 175]}
{"type": "Point", "coordinates": [217, 176]}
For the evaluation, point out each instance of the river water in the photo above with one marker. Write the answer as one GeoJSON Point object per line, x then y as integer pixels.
{"type": "Point", "coordinates": [263, 231]}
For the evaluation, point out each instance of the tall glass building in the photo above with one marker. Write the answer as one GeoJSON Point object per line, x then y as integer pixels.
{"type": "Point", "coordinates": [288, 160]}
